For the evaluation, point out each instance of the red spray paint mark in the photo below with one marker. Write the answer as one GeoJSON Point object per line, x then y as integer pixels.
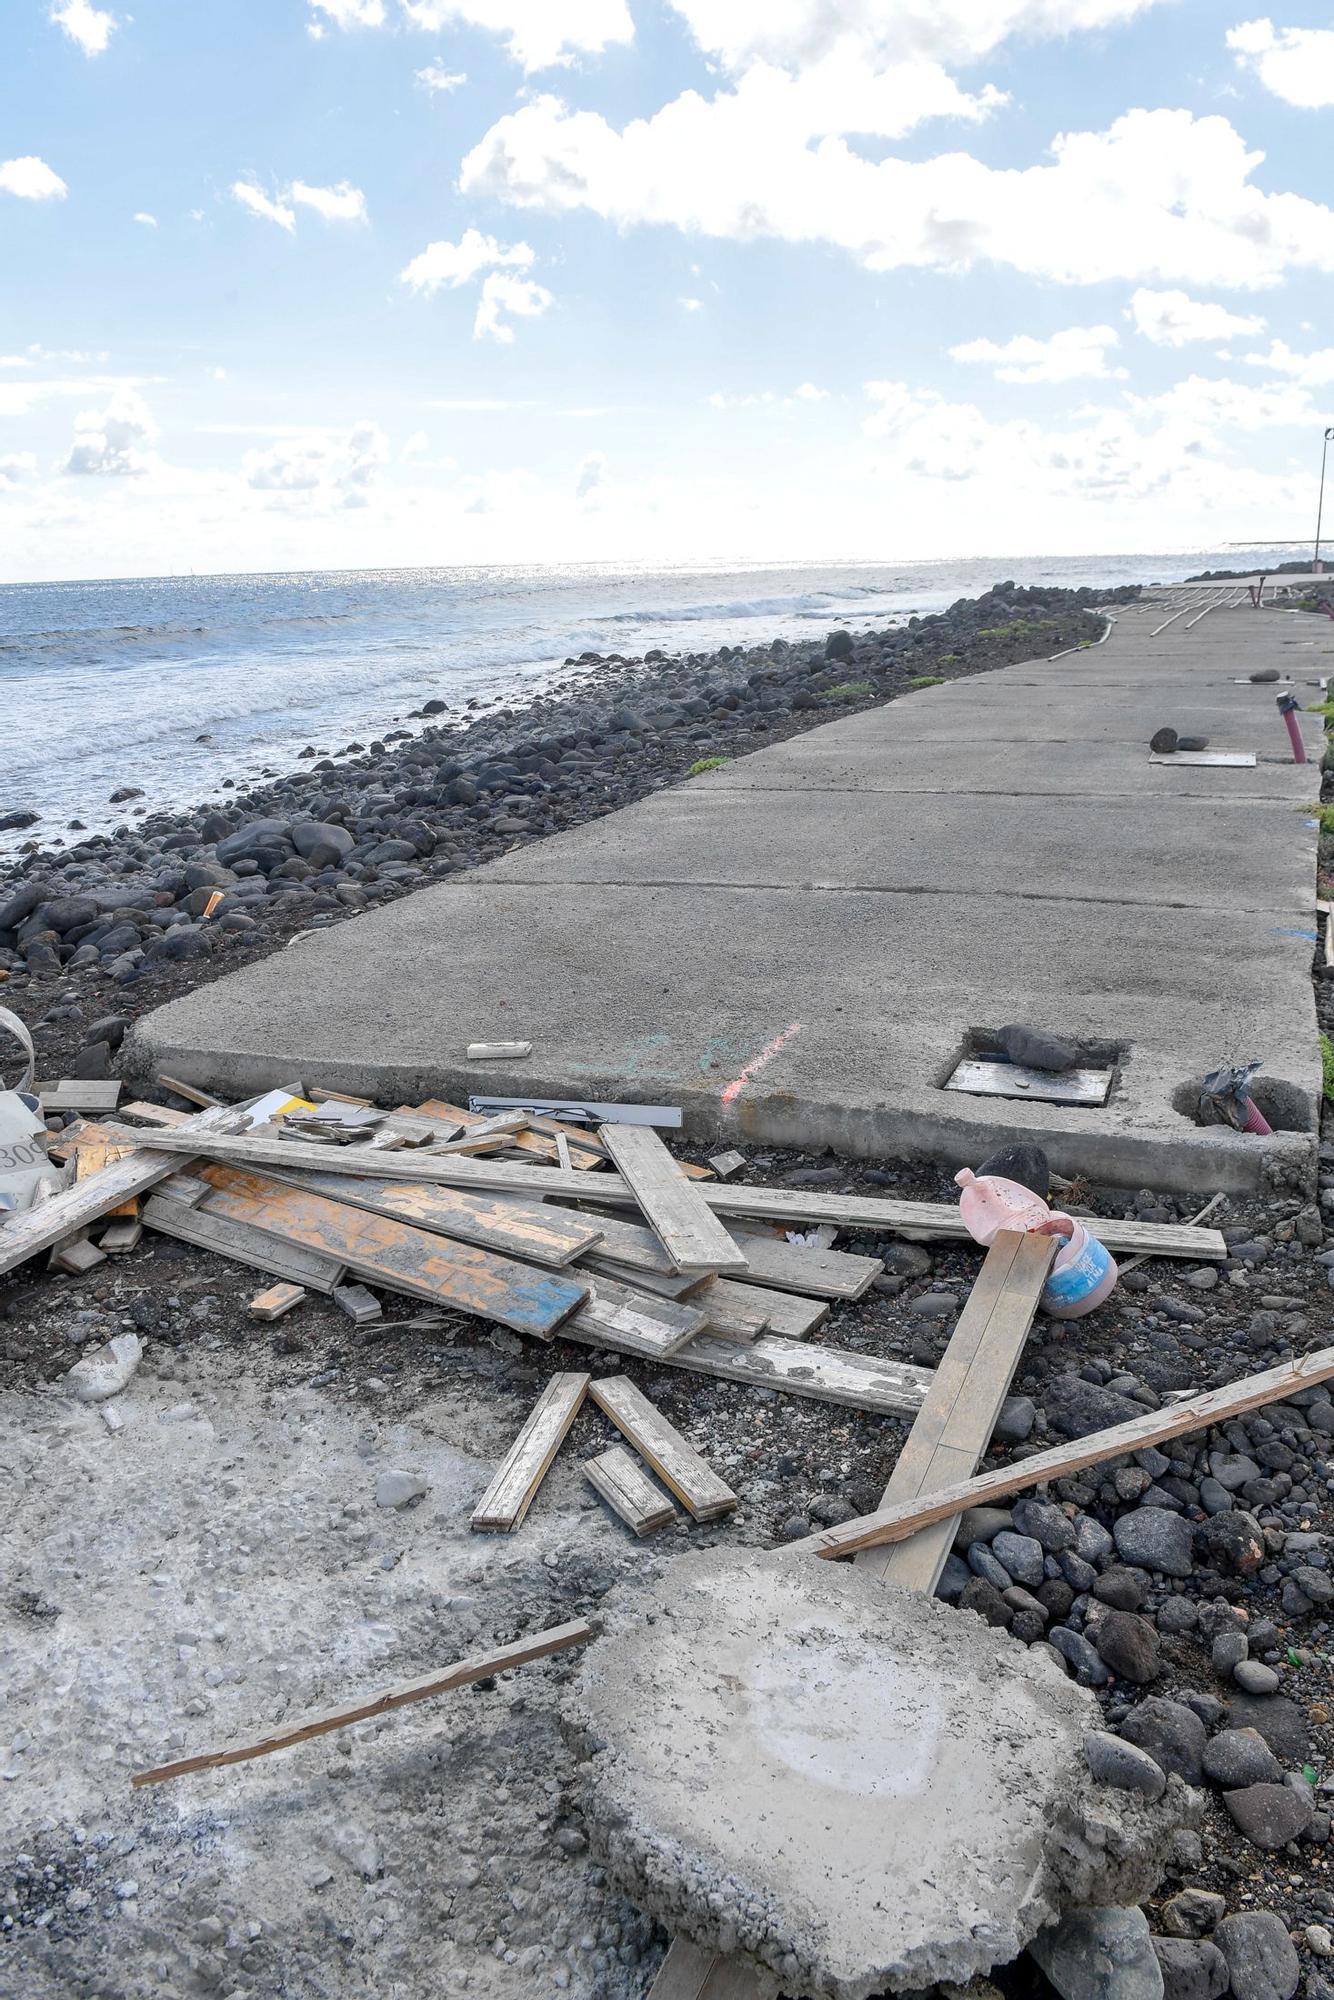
{"type": "Point", "coordinates": [733, 1090]}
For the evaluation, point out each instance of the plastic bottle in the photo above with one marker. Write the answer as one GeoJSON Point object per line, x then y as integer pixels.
{"type": "Point", "coordinates": [1083, 1271]}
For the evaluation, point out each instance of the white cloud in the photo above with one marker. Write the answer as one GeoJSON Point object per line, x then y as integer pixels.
{"type": "Point", "coordinates": [1158, 195]}
{"type": "Point", "coordinates": [1174, 450]}
{"type": "Point", "coordinates": [351, 13]}
{"type": "Point", "coordinates": [805, 392]}
{"type": "Point", "coordinates": [31, 179]}
{"type": "Point", "coordinates": [1076, 353]}
{"type": "Point", "coordinates": [343, 203]}
{"type": "Point", "coordinates": [148, 221]}
{"type": "Point", "coordinates": [15, 468]}
{"type": "Point", "coordinates": [115, 442]}
{"type": "Point", "coordinates": [800, 32]}
{"type": "Point", "coordinates": [1172, 319]}
{"type": "Point", "coordinates": [331, 468]}
{"type": "Point", "coordinates": [18, 399]}
{"type": "Point", "coordinates": [85, 24]}
{"type": "Point", "coordinates": [254, 198]}
{"type": "Point", "coordinates": [475, 405]}
{"type": "Point", "coordinates": [1313, 371]}
{"type": "Point", "coordinates": [521, 298]}
{"type": "Point", "coordinates": [539, 32]}
{"type": "Point", "coordinates": [435, 77]}
{"type": "Point", "coordinates": [692, 305]}
{"type": "Point", "coordinates": [591, 475]}
{"type": "Point", "coordinates": [416, 446]}
{"type": "Point", "coordinates": [1296, 64]}
{"type": "Point", "coordinates": [458, 263]}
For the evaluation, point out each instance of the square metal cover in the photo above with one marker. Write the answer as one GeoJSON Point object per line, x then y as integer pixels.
{"type": "Point", "coordinates": [1001, 1079]}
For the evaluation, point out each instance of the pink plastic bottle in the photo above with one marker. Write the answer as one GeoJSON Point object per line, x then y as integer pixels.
{"type": "Point", "coordinates": [992, 1203]}
{"type": "Point", "coordinates": [1083, 1272]}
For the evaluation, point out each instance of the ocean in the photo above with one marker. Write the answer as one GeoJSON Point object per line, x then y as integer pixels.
{"type": "Point", "coordinates": [175, 683]}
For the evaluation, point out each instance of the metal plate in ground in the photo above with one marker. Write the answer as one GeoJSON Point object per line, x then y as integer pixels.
{"type": "Point", "coordinates": [1002, 1079]}
{"type": "Point", "coordinates": [1232, 760]}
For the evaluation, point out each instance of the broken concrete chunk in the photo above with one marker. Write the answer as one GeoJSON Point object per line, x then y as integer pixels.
{"type": "Point", "coordinates": [766, 1744]}
{"type": "Point", "coordinates": [106, 1371]}
{"type": "Point", "coordinates": [396, 1489]}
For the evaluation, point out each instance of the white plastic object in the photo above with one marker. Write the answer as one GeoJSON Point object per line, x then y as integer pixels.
{"type": "Point", "coordinates": [24, 1166]}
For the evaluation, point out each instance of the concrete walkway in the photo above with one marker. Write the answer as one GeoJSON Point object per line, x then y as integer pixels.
{"type": "Point", "coordinates": [797, 948]}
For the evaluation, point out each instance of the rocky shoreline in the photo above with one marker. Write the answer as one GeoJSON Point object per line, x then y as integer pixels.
{"type": "Point", "coordinates": [115, 924]}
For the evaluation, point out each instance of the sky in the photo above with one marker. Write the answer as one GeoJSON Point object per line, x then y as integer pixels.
{"type": "Point", "coordinates": [350, 283]}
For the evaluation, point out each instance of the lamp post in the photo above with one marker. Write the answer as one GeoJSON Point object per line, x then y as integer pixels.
{"type": "Point", "coordinates": [1320, 506]}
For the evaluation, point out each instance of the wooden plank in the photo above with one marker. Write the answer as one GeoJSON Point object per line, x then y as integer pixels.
{"type": "Point", "coordinates": [682, 1221]}
{"type": "Point", "coordinates": [1195, 1413]}
{"type": "Point", "coordinates": [732, 1311]}
{"type": "Point", "coordinates": [628, 1491]}
{"type": "Point", "coordinates": [362, 1307]}
{"type": "Point", "coordinates": [74, 1208]}
{"type": "Point", "coordinates": [801, 1267]}
{"type": "Point", "coordinates": [678, 1465]}
{"type": "Point", "coordinates": [155, 1114]}
{"type": "Point", "coordinates": [121, 1236]}
{"type": "Point", "coordinates": [956, 1420]}
{"type": "Point", "coordinates": [74, 1093]}
{"type": "Point", "coordinates": [183, 1188]}
{"type": "Point", "coordinates": [537, 1646]}
{"type": "Point", "coordinates": [664, 1284]}
{"type": "Point", "coordinates": [540, 1144]}
{"type": "Point", "coordinates": [75, 1257]}
{"type": "Point", "coordinates": [188, 1091]}
{"type": "Point", "coordinates": [632, 1244]}
{"type": "Point", "coordinates": [276, 1300]}
{"type": "Point", "coordinates": [796, 1205]}
{"type": "Point", "coordinates": [540, 1235]}
{"type": "Point", "coordinates": [798, 1368]}
{"type": "Point", "coordinates": [244, 1244]}
{"type": "Point", "coordinates": [618, 1314]}
{"type": "Point", "coordinates": [398, 1257]}
{"type": "Point", "coordinates": [498, 1051]}
{"type": "Point", "coordinates": [794, 1318]}
{"type": "Point", "coordinates": [524, 1466]}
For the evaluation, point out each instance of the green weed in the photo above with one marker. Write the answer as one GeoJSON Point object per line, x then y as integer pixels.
{"type": "Point", "coordinates": [1327, 1067]}
{"type": "Point", "coordinates": [850, 691]}
{"type": "Point", "coordinates": [927, 681]}
{"type": "Point", "coordinates": [706, 764]}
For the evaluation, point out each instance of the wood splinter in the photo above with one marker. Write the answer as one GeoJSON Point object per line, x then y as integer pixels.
{"type": "Point", "coordinates": [537, 1647]}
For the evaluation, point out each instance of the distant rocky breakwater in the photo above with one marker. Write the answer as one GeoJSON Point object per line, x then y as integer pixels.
{"type": "Point", "coordinates": [341, 833]}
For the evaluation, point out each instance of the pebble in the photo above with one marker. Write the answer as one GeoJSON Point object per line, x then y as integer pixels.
{"type": "Point", "coordinates": [1269, 1815]}
{"type": "Point", "coordinates": [1118, 1763]}
{"type": "Point", "coordinates": [1153, 1539]}
{"type": "Point", "coordinates": [1254, 1677]}
{"type": "Point", "coordinates": [1191, 1971]}
{"type": "Point", "coordinates": [1100, 1955]}
{"type": "Point", "coordinates": [1261, 1958]}
{"type": "Point", "coordinates": [1193, 1912]}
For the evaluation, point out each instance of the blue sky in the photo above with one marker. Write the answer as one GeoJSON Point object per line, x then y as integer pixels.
{"type": "Point", "coordinates": [345, 282]}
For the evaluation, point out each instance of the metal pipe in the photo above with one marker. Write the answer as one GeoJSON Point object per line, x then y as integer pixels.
{"type": "Point", "coordinates": [1289, 708]}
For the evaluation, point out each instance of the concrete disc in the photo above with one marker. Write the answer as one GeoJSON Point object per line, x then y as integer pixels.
{"type": "Point", "coordinates": [851, 1784]}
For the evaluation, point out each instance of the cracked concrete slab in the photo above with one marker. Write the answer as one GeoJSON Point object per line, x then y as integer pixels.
{"type": "Point", "coordinates": [797, 949]}
{"type": "Point", "coordinates": [847, 1784]}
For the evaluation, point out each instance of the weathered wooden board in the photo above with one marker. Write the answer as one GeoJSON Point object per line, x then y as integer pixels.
{"type": "Point", "coordinates": [361, 1306]}
{"type": "Point", "coordinates": [244, 1244]}
{"type": "Point", "coordinates": [801, 1267]}
{"type": "Point", "coordinates": [540, 1234]}
{"type": "Point", "coordinates": [797, 1205]}
{"type": "Point", "coordinates": [399, 1257]}
{"type": "Point", "coordinates": [276, 1300]}
{"type": "Point", "coordinates": [524, 1466]}
{"type": "Point", "coordinates": [74, 1208]}
{"type": "Point", "coordinates": [621, 1317]}
{"type": "Point", "coordinates": [73, 1093]}
{"type": "Point", "coordinates": [540, 1144]}
{"type": "Point", "coordinates": [678, 1465]}
{"type": "Point", "coordinates": [628, 1491]}
{"type": "Point", "coordinates": [537, 1646]}
{"type": "Point", "coordinates": [121, 1236]}
{"type": "Point", "coordinates": [664, 1284]}
{"type": "Point", "coordinates": [732, 1311]}
{"type": "Point", "coordinates": [793, 1317]}
{"type": "Point", "coordinates": [954, 1425]}
{"type": "Point", "coordinates": [1195, 1413]}
{"type": "Point", "coordinates": [75, 1257]}
{"type": "Point", "coordinates": [682, 1221]}
{"type": "Point", "coordinates": [634, 1245]}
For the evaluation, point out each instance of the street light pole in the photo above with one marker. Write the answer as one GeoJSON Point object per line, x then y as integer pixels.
{"type": "Point", "coordinates": [1320, 506]}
